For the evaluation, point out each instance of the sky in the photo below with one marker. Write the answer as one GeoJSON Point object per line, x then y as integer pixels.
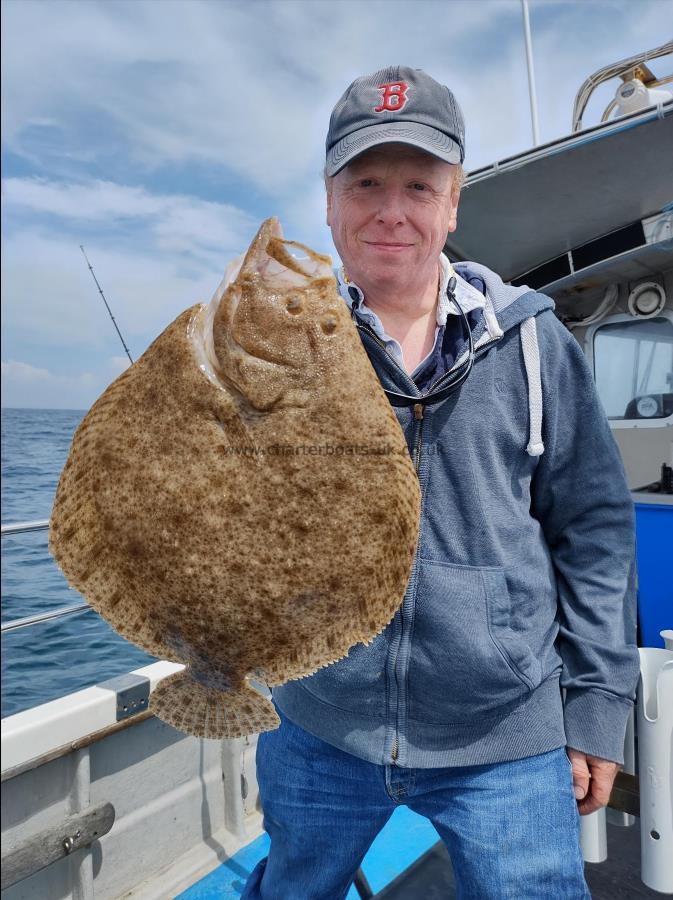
{"type": "Point", "coordinates": [158, 134]}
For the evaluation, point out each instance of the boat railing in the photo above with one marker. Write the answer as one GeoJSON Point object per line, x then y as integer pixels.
{"type": "Point", "coordinates": [23, 527]}
{"type": "Point", "coordinates": [14, 624]}
{"type": "Point", "coordinates": [632, 67]}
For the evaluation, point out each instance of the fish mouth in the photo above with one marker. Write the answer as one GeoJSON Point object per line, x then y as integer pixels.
{"type": "Point", "coordinates": [270, 257]}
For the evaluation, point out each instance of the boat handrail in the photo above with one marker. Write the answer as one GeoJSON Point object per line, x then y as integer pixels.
{"type": "Point", "coordinates": [631, 64]}
{"type": "Point", "coordinates": [24, 527]}
{"type": "Point", "coordinates": [13, 624]}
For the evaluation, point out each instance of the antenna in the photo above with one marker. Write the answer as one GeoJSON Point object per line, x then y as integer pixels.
{"type": "Point", "coordinates": [100, 291]}
{"type": "Point", "coordinates": [531, 73]}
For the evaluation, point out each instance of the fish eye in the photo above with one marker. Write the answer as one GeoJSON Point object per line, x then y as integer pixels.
{"type": "Point", "coordinates": [329, 324]}
{"type": "Point", "coordinates": [294, 305]}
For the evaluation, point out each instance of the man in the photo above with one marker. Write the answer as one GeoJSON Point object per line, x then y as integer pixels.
{"type": "Point", "coordinates": [507, 675]}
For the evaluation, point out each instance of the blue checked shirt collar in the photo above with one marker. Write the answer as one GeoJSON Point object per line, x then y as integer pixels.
{"type": "Point", "coordinates": [467, 295]}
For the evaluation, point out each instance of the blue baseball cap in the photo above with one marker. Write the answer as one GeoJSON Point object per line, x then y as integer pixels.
{"type": "Point", "coordinates": [395, 105]}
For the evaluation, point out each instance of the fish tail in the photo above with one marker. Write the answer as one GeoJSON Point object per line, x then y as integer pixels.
{"type": "Point", "coordinates": [207, 712]}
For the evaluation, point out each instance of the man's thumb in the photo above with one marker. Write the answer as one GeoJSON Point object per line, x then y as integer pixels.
{"type": "Point", "coordinates": [580, 777]}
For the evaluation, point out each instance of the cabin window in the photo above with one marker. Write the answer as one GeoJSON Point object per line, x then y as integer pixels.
{"type": "Point", "coordinates": [633, 368]}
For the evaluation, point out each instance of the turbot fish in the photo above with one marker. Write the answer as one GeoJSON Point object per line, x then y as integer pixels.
{"type": "Point", "coordinates": [241, 500]}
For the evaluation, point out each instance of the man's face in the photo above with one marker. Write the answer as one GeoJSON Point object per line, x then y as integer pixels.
{"type": "Point", "coordinates": [390, 211]}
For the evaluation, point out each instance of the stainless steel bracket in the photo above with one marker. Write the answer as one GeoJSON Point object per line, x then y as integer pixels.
{"type": "Point", "coordinates": [133, 694]}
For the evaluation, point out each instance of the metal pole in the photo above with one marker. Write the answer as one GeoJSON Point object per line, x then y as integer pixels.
{"type": "Point", "coordinates": [81, 864]}
{"type": "Point", "coordinates": [44, 617]}
{"type": "Point", "coordinates": [20, 527]}
{"type": "Point", "coordinates": [531, 73]}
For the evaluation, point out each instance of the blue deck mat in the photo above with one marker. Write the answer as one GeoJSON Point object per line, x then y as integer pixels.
{"type": "Point", "coordinates": [405, 837]}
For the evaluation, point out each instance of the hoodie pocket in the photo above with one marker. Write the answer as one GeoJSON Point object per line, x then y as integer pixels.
{"type": "Point", "coordinates": [358, 681]}
{"type": "Point", "coordinates": [465, 659]}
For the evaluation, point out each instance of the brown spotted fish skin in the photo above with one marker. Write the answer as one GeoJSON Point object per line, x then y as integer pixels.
{"type": "Point", "coordinates": [241, 499]}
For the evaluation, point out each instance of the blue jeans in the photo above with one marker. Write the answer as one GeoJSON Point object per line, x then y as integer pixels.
{"type": "Point", "coordinates": [511, 829]}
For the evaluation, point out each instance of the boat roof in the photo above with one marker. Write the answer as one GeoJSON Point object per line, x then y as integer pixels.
{"type": "Point", "coordinates": [528, 209]}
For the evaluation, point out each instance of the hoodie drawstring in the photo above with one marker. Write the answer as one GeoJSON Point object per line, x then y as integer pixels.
{"type": "Point", "coordinates": [531, 358]}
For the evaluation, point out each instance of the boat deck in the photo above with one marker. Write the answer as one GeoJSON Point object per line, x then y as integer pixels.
{"type": "Point", "coordinates": [406, 861]}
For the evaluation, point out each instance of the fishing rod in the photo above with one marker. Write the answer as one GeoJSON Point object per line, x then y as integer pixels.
{"type": "Point", "coordinates": [107, 306]}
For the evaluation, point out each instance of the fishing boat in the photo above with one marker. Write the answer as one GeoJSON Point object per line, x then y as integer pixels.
{"type": "Point", "coordinates": [103, 800]}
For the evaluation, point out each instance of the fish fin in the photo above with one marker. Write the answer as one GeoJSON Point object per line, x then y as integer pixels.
{"type": "Point", "coordinates": [207, 712]}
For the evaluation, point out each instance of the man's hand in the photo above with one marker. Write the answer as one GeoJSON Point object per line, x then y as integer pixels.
{"type": "Point", "coordinates": [593, 778]}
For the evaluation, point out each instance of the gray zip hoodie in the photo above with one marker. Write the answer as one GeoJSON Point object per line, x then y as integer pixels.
{"type": "Point", "coordinates": [523, 581]}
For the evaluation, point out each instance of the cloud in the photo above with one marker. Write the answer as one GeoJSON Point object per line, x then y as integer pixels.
{"type": "Point", "coordinates": [246, 88]}
{"type": "Point", "coordinates": [243, 87]}
{"type": "Point", "coordinates": [52, 301]}
{"type": "Point", "coordinates": [159, 134]}
{"type": "Point", "coordinates": [153, 254]}
{"type": "Point", "coordinates": [172, 223]}
{"type": "Point", "coordinates": [27, 386]}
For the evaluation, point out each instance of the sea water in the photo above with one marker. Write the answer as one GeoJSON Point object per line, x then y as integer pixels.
{"type": "Point", "coordinates": [44, 661]}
